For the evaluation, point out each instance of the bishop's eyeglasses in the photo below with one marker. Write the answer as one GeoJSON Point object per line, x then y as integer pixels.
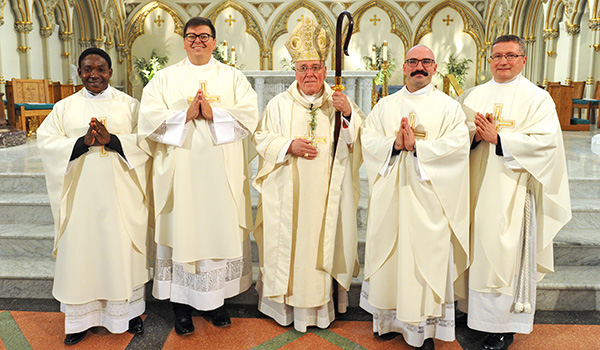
{"type": "Point", "coordinates": [509, 57]}
{"type": "Point", "coordinates": [305, 69]}
{"type": "Point", "coordinates": [191, 37]}
{"type": "Point", "coordinates": [426, 62]}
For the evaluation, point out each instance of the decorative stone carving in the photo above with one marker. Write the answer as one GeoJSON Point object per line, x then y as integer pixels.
{"type": "Point", "coordinates": [23, 27]}
{"type": "Point", "coordinates": [550, 34]}
{"type": "Point", "coordinates": [65, 36]}
{"type": "Point", "coordinates": [594, 24]}
{"type": "Point", "coordinates": [46, 32]}
{"type": "Point", "coordinates": [98, 43]}
{"type": "Point", "coordinates": [573, 29]}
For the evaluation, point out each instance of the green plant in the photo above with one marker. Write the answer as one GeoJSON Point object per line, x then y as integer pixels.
{"type": "Point", "coordinates": [379, 63]}
{"type": "Point", "coordinates": [457, 67]}
{"type": "Point", "coordinates": [219, 53]}
{"type": "Point", "coordinates": [147, 69]}
{"type": "Point", "coordinates": [287, 64]}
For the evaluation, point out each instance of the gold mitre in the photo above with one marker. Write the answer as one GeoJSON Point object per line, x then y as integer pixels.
{"type": "Point", "coordinates": [308, 42]}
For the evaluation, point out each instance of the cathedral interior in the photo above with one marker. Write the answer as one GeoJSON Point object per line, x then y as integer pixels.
{"type": "Point", "coordinates": [41, 40]}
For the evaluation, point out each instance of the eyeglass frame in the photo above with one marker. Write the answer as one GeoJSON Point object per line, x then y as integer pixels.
{"type": "Point", "coordinates": [500, 56]}
{"type": "Point", "coordinates": [198, 36]}
{"type": "Point", "coordinates": [416, 64]}
{"type": "Point", "coordinates": [307, 68]}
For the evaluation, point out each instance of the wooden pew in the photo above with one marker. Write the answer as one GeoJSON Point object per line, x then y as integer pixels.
{"type": "Point", "coordinates": [28, 103]}
{"type": "Point", "coordinates": [59, 91]}
{"type": "Point", "coordinates": [563, 99]}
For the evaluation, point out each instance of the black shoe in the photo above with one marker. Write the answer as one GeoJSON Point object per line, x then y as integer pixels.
{"type": "Point", "coordinates": [428, 344]}
{"type": "Point", "coordinates": [136, 325]}
{"type": "Point", "coordinates": [497, 341]}
{"type": "Point", "coordinates": [184, 325]}
{"type": "Point", "coordinates": [183, 318]}
{"type": "Point", "coordinates": [386, 336]}
{"type": "Point", "coordinates": [220, 318]}
{"type": "Point", "coordinates": [75, 338]}
{"type": "Point", "coordinates": [460, 319]}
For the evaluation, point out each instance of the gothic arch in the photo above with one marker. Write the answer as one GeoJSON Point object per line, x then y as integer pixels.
{"type": "Point", "coordinates": [136, 24]}
{"type": "Point", "coordinates": [279, 26]}
{"type": "Point", "coordinates": [252, 26]}
{"type": "Point", "coordinates": [399, 25]}
{"type": "Point", "coordinates": [472, 25]}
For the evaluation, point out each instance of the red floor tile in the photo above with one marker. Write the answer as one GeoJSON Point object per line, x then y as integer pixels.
{"type": "Point", "coordinates": [46, 330]}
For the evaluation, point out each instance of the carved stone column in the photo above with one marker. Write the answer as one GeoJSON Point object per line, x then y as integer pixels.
{"type": "Point", "coordinates": [66, 42]}
{"type": "Point", "coordinates": [594, 25]}
{"type": "Point", "coordinates": [24, 28]}
{"type": "Point", "coordinates": [572, 30]}
{"type": "Point", "coordinates": [529, 52]}
{"type": "Point", "coordinates": [46, 32]}
{"type": "Point", "coordinates": [549, 59]}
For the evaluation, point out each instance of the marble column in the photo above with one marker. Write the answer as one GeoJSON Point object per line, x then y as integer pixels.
{"type": "Point", "coordinates": [259, 87]}
{"type": "Point", "coordinates": [66, 41]}
{"type": "Point", "coordinates": [24, 28]}
{"type": "Point", "coordinates": [549, 60]}
{"type": "Point", "coordinates": [572, 30]}
{"type": "Point", "coordinates": [594, 25]}
{"type": "Point", "coordinates": [46, 32]}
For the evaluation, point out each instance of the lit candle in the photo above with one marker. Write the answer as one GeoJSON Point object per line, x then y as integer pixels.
{"type": "Point", "coordinates": [225, 50]}
{"type": "Point", "coordinates": [384, 49]}
{"type": "Point", "coordinates": [232, 55]}
{"type": "Point", "coordinates": [373, 56]}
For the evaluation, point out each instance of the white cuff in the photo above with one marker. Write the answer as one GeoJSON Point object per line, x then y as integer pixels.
{"type": "Point", "coordinates": [283, 155]}
{"type": "Point", "coordinates": [389, 163]}
{"type": "Point", "coordinates": [348, 130]}
{"type": "Point", "coordinates": [224, 128]}
{"type": "Point", "coordinates": [176, 129]}
{"type": "Point", "coordinates": [421, 175]}
{"type": "Point", "coordinates": [509, 161]}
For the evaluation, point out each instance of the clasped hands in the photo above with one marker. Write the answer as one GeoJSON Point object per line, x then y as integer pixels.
{"type": "Point", "coordinates": [200, 108]}
{"type": "Point", "coordinates": [485, 128]}
{"type": "Point", "coordinates": [405, 138]}
{"type": "Point", "coordinates": [97, 134]}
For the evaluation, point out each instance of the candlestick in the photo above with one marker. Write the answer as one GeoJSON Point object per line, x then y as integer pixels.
{"type": "Point", "coordinates": [225, 50]}
{"type": "Point", "coordinates": [384, 49]}
{"type": "Point", "coordinates": [373, 56]}
{"type": "Point", "coordinates": [232, 55]}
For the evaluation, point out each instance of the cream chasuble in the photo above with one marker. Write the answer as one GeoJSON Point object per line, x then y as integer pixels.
{"type": "Point", "coordinates": [99, 204]}
{"type": "Point", "coordinates": [201, 190]}
{"type": "Point", "coordinates": [414, 225]}
{"type": "Point", "coordinates": [529, 130]}
{"type": "Point", "coordinates": [306, 219]}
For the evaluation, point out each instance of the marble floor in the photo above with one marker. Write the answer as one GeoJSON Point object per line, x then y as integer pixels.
{"type": "Point", "coordinates": [582, 163]}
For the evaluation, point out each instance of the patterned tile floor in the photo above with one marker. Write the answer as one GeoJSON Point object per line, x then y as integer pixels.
{"type": "Point", "coordinates": [37, 324]}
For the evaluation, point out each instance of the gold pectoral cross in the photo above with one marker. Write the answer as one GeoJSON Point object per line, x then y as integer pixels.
{"type": "Point", "coordinates": [419, 134]}
{"type": "Point", "coordinates": [314, 139]}
{"type": "Point", "coordinates": [209, 98]}
{"type": "Point", "coordinates": [103, 152]}
{"type": "Point", "coordinates": [501, 123]}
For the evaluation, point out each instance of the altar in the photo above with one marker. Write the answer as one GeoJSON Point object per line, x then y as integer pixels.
{"type": "Point", "coordinates": [267, 84]}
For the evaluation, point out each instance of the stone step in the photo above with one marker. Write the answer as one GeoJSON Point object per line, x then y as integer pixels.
{"type": "Point", "coordinates": [570, 288]}
{"type": "Point", "coordinates": [26, 240]}
{"type": "Point", "coordinates": [572, 247]}
{"type": "Point", "coordinates": [586, 213]}
{"type": "Point", "coordinates": [584, 187]}
{"type": "Point", "coordinates": [25, 207]}
{"type": "Point", "coordinates": [577, 247]}
{"type": "Point", "coordinates": [23, 182]}
{"type": "Point", "coordinates": [26, 277]}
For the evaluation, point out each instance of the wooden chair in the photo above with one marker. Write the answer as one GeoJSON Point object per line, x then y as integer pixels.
{"type": "Point", "coordinates": [563, 99]}
{"type": "Point", "coordinates": [580, 103]}
{"type": "Point", "coordinates": [2, 108]}
{"type": "Point", "coordinates": [28, 103]}
{"type": "Point", "coordinates": [59, 91]}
